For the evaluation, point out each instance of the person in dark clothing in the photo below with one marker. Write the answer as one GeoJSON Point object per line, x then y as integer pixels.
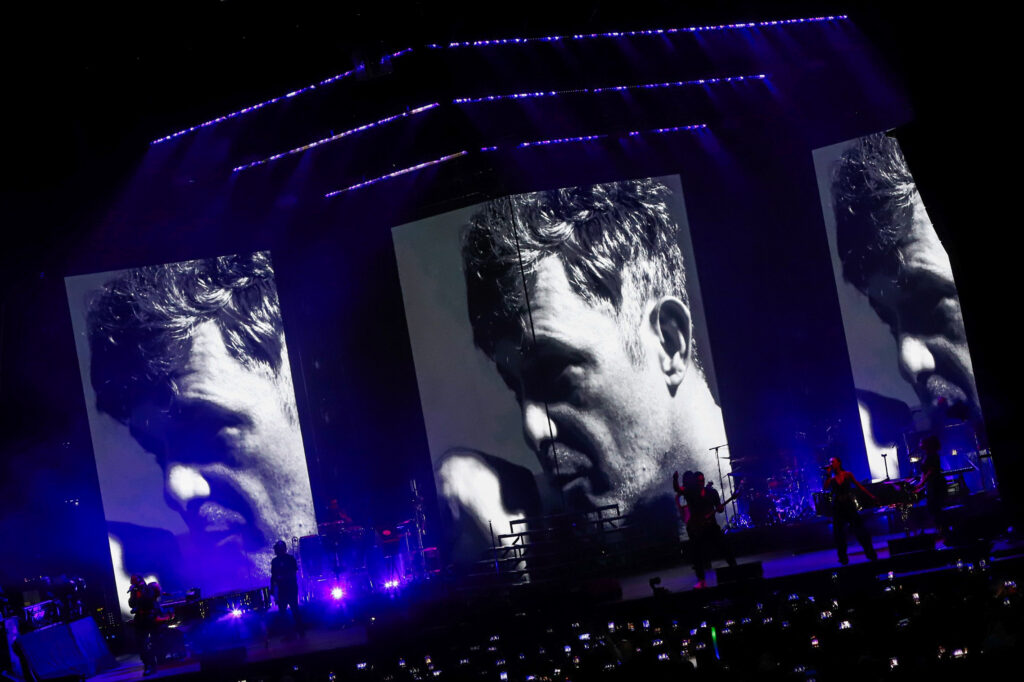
{"type": "Point", "coordinates": [335, 514]}
{"type": "Point", "coordinates": [284, 584]}
{"type": "Point", "coordinates": [144, 602]}
{"type": "Point", "coordinates": [933, 484]}
{"type": "Point", "coordinates": [702, 503]}
{"type": "Point", "coordinates": [841, 483]}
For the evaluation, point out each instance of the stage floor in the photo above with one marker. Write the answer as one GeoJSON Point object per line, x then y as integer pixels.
{"type": "Point", "coordinates": [777, 564]}
{"type": "Point", "coordinates": [678, 578]}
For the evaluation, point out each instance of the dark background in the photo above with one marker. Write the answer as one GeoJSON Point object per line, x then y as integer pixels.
{"type": "Point", "coordinates": [87, 89]}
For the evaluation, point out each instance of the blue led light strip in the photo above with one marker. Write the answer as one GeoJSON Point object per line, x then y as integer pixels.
{"type": "Point", "coordinates": [535, 143]}
{"type": "Point", "coordinates": [588, 138]}
{"type": "Point", "coordinates": [494, 98]}
{"type": "Point", "coordinates": [332, 138]}
{"type": "Point", "coordinates": [631, 34]}
{"type": "Point", "coordinates": [614, 88]}
{"type": "Point", "coordinates": [403, 171]}
{"type": "Point", "coordinates": [503, 41]}
{"type": "Point", "coordinates": [293, 93]}
{"type": "Point", "coordinates": [562, 140]}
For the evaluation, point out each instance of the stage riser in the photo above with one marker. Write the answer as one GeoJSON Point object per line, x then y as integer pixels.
{"type": "Point", "coordinates": [978, 517]}
{"type": "Point", "coordinates": [746, 571]}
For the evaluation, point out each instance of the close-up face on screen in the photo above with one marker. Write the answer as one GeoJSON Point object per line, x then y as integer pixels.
{"type": "Point", "coordinates": [560, 351]}
{"type": "Point", "coordinates": [193, 419]}
{"type": "Point", "coordinates": [901, 313]}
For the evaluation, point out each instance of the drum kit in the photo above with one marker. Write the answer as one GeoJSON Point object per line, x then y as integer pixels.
{"type": "Point", "coordinates": [763, 501]}
{"type": "Point", "coordinates": [346, 557]}
{"type": "Point", "coordinates": [792, 489]}
{"type": "Point", "coordinates": [361, 559]}
{"type": "Point", "coordinates": [795, 495]}
{"type": "Point", "coordinates": [783, 495]}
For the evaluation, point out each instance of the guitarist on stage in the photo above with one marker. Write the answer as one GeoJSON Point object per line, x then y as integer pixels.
{"type": "Point", "coordinates": [933, 484]}
{"type": "Point", "coordinates": [702, 503]}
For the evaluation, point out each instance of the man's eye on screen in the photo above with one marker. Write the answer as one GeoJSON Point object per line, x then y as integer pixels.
{"type": "Point", "coordinates": [208, 417]}
{"type": "Point", "coordinates": [552, 381]}
{"type": "Point", "coordinates": [932, 317]}
{"type": "Point", "coordinates": [947, 319]}
{"type": "Point", "coordinates": [204, 435]}
{"type": "Point", "coordinates": [197, 449]}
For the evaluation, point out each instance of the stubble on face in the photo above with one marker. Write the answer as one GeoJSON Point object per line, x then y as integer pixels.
{"type": "Point", "coordinates": [599, 423]}
{"type": "Point", "coordinates": [235, 466]}
{"type": "Point", "coordinates": [922, 309]}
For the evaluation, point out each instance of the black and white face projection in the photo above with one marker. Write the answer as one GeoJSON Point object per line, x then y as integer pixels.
{"type": "Point", "coordinates": [561, 356]}
{"type": "Point", "coordinates": [193, 419]}
{"type": "Point", "coordinates": [901, 314]}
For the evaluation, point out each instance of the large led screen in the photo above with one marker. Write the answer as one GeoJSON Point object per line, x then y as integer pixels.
{"type": "Point", "coordinates": [901, 312]}
{"type": "Point", "coordinates": [193, 420]}
{"type": "Point", "coordinates": [561, 356]}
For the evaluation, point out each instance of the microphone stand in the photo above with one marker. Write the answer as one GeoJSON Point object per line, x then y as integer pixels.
{"type": "Point", "coordinates": [721, 479]}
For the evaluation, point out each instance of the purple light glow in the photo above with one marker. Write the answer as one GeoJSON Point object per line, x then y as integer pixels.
{"type": "Point", "coordinates": [403, 171]}
{"type": "Point", "coordinates": [332, 138]}
{"type": "Point", "coordinates": [337, 593]}
{"type": "Point", "coordinates": [237, 613]}
{"type": "Point", "coordinates": [631, 34]}
{"type": "Point", "coordinates": [615, 88]}
{"type": "Point", "coordinates": [260, 105]}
